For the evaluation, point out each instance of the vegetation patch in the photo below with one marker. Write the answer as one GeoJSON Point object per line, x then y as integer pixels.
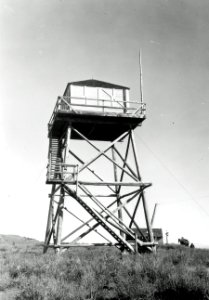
{"type": "Point", "coordinates": [104, 274]}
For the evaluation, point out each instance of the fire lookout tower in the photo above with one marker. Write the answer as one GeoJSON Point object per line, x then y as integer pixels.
{"type": "Point", "coordinates": [95, 113]}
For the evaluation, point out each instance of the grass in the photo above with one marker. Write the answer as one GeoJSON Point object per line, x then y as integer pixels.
{"type": "Point", "coordinates": [174, 272]}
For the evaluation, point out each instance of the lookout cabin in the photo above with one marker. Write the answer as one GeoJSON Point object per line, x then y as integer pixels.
{"type": "Point", "coordinates": [97, 96]}
{"type": "Point", "coordinates": [101, 110]}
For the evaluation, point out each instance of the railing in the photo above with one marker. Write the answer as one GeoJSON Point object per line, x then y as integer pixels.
{"type": "Point", "coordinates": [61, 171]}
{"type": "Point", "coordinates": [69, 173]}
{"type": "Point", "coordinates": [67, 104]}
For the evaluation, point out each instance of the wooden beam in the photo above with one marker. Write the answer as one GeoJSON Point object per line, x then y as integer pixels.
{"type": "Point", "coordinates": [91, 219]}
{"type": "Point", "coordinates": [125, 159]}
{"type": "Point", "coordinates": [87, 224]}
{"type": "Point", "coordinates": [109, 183]}
{"type": "Point", "coordinates": [88, 221]}
{"type": "Point", "coordinates": [98, 203]}
{"type": "Point", "coordinates": [150, 232]}
{"type": "Point", "coordinates": [100, 99]}
{"type": "Point", "coordinates": [153, 215]}
{"type": "Point", "coordinates": [103, 183]}
{"type": "Point", "coordinates": [101, 107]}
{"type": "Point", "coordinates": [114, 211]}
{"type": "Point", "coordinates": [52, 231]}
{"type": "Point", "coordinates": [110, 214]}
{"type": "Point", "coordinates": [49, 219]}
{"type": "Point", "coordinates": [122, 136]}
{"type": "Point", "coordinates": [74, 245]}
{"type": "Point", "coordinates": [104, 152]}
{"type": "Point", "coordinates": [60, 217]}
{"type": "Point", "coordinates": [92, 171]}
{"type": "Point", "coordinates": [117, 226]}
{"type": "Point", "coordinates": [135, 210]}
{"type": "Point", "coordinates": [67, 140]}
{"type": "Point", "coordinates": [101, 196]}
{"type": "Point", "coordinates": [135, 154]}
{"type": "Point", "coordinates": [120, 213]}
{"type": "Point", "coordinates": [125, 162]}
{"type": "Point", "coordinates": [137, 226]}
{"type": "Point", "coordinates": [99, 218]}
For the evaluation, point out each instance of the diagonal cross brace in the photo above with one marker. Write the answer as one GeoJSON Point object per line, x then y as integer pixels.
{"type": "Point", "coordinates": [104, 153]}
{"type": "Point", "coordinates": [100, 205]}
{"type": "Point", "coordinates": [114, 211]}
{"type": "Point", "coordinates": [92, 171]}
{"type": "Point", "coordinates": [100, 220]}
{"type": "Point", "coordinates": [87, 222]}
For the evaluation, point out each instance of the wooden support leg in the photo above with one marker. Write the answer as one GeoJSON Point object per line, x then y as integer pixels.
{"type": "Point", "coordinates": [149, 228]}
{"type": "Point", "coordinates": [60, 208]}
{"type": "Point", "coordinates": [49, 219]}
{"type": "Point", "coordinates": [60, 218]}
{"type": "Point", "coordinates": [120, 213]}
{"type": "Point", "coordinates": [135, 210]}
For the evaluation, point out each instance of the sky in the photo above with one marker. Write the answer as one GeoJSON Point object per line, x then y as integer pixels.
{"type": "Point", "coordinates": [47, 43]}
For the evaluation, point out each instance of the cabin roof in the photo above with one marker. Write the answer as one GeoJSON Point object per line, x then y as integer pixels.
{"type": "Point", "coordinates": [97, 83]}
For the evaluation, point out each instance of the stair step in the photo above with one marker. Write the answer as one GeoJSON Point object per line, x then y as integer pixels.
{"type": "Point", "coordinates": [100, 219]}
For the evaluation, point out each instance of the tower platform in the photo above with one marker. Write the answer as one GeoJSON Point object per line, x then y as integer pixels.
{"type": "Point", "coordinates": [94, 125]}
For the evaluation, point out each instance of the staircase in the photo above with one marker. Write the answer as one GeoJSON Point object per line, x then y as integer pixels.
{"type": "Point", "coordinates": [55, 159]}
{"type": "Point", "coordinates": [100, 220]}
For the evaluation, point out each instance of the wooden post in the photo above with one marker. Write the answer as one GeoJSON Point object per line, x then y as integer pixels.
{"type": "Point", "coordinates": [153, 215]}
{"type": "Point", "coordinates": [135, 210]}
{"type": "Point", "coordinates": [125, 159]}
{"type": "Point", "coordinates": [125, 100]}
{"type": "Point", "coordinates": [66, 148]}
{"type": "Point", "coordinates": [62, 192]}
{"type": "Point", "coordinates": [49, 219]}
{"type": "Point", "coordinates": [60, 218]}
{"type": "Point", "coordinates": [76, 171]}
{"type": "Point", "coordinates": [65, 151]}
{"type": "Point", "coordinates": [120, 213]}
{"type": "Point", "coordinates": [52, 230]}
{"type": "Point", "coordinates": [149, 228]}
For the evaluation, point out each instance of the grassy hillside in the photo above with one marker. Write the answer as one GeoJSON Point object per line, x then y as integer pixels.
{"type": "Point", "coordinates": [101, 273]}
{"type": "Point", "coordinates": [15, 241]}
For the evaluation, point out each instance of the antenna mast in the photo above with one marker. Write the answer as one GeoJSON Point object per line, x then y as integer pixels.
{"type": "Point", "coordinates": [140, 70]}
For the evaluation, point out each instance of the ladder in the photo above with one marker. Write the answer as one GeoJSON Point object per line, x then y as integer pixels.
{"type": "Point", "coordinates": [98, 217]}
{"type": "Point", "coordinates": [55, 159]}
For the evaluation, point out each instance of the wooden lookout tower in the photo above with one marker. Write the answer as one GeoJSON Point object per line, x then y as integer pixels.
{"type": "Point", "coordinates": [106, 186]}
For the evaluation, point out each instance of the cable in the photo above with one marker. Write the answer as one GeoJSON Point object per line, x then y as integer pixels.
{"type": "Point", "coordinates": [175, 178]}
